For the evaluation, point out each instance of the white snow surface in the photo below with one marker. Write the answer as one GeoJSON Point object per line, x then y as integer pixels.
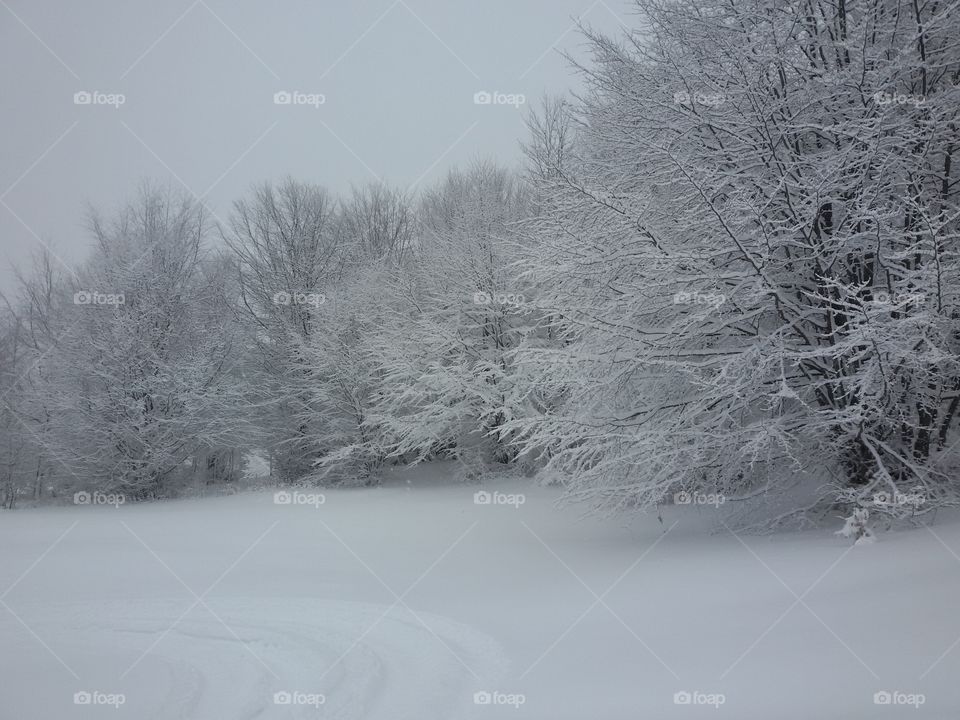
{"type": "Point", "coordinates": [407, 600]}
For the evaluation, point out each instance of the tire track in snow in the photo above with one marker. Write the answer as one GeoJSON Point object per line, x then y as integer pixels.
{"type": "Point", "coordinates": [201, 669]}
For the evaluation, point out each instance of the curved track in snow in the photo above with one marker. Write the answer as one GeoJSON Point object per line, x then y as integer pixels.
{"type": "Point", "coordinates": [367, 661]}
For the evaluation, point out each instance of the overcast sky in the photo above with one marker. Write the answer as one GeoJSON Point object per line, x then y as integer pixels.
{"type": "Point", "coordinates": [198, 82]}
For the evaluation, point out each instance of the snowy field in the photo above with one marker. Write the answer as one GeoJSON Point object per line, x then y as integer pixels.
{"type": "Point", "coordinates": [413, 601]}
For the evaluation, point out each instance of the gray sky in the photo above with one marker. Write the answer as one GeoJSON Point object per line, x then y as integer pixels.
{"type": "Point", "coordinates": [198, 80]}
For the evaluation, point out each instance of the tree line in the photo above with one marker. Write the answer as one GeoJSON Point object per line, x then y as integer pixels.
{"type": "Point", "coordinates": [729, 265]}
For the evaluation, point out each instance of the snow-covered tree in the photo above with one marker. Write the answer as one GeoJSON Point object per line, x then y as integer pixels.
{"type": "Point", "coordinates": [378, 223]}
{"type": "Point", "coordinates": [34, 321]}
{"type": "Point", "coordinates": [289, 251]}
{"type": "Point", "coordinates": [456, 315]}
{"type": "Point", "coordinates": [13, 439]}
{"type": "Point", "coordinates": [746, 234]}
{"type": "Point", "coordinates": [134, 385]}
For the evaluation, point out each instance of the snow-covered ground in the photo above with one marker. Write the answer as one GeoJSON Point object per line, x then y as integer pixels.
{"type": "Point", "coordinates": [414, 601]}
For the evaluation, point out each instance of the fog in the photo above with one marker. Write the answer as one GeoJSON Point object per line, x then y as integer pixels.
{"type": "Point", "coordinates": [186, 97]}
